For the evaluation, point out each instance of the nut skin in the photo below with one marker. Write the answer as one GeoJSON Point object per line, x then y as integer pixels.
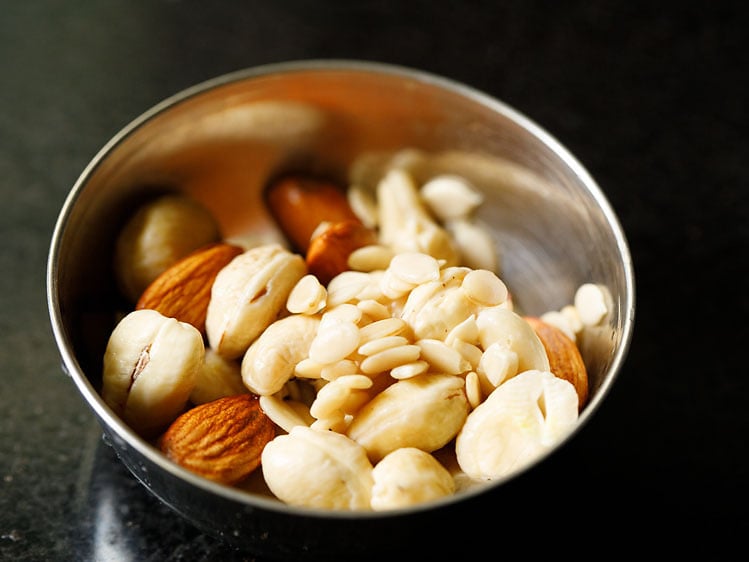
{"type": "Point", "coordinates": [299, 203]}
{"type": "Point", "coordinates": [183, 291]}
{"type": "Point", "coordinates": [328, 252]}
{"type": "Point", "coordinates": [222, 440]}
{"type": "Point", "coordinates": [565, 360]}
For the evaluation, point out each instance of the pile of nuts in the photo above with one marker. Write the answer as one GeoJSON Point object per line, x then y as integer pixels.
{"type": "Point", "coordinates": [374, 362]}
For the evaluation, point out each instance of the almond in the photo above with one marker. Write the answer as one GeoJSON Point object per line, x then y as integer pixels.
{"type": "Point", "coordinates": [328, 251]}
{"type": "Point", "coordinates": [183, 290]}
{"type": "Point", "coordinates": [565, 360]}
{"type": "Point", "coordinates": [222, 440]}
{"type": "Point", "coordinates": [300, 203]}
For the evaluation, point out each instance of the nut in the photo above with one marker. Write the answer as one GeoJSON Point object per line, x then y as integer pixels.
{"type": "Point", "coordinates": [565, 360]}
{"type": "Point", "coordinates": [425, 411]}
{"type": "Point", "coordinates": [300, 203]}
{"type": "Point", "coordinates": [318, 468]}
{"type": "Point", "coordinates": [270, 361]}
{"type": "Point", "coordinates": [248, 294]}
{"type": "Point", "coordinates": [220, 440]}
{"type": "Point", "coordinates": [184, 289]}
{"type": "Point", "coordinates": [328, 252]}
{"type": "Point", "coordinates": [409, 476]}
{"type": "Point", "coordinates": [150, 367]}
{"type": "Point", "coordinates": [157, 235]}
{"type": "Point", "coordinates": [517, 423]}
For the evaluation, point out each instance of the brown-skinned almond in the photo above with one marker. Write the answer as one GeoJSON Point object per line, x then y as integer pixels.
{"type": "Point", "coordinates": [328, 251]}
{"type": "Point", "coordinates": [222, 440]}
{"type": "Point", "coordinates": [564, 357]}
{"type": "Point", "coordinates": [183, 290]}
{"type": "Point", "coordinates": [299, 203]}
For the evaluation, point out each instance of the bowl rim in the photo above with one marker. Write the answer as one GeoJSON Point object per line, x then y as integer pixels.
{"type": "Point", "coordinates": [106, 416]}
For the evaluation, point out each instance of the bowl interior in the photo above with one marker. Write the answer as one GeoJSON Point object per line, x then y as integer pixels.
{"type": "Point", "coordinates": [220, 142]}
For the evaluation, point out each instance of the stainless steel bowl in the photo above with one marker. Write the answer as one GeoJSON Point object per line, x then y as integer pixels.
{"type": "Point", "coordinates": [220, 140]}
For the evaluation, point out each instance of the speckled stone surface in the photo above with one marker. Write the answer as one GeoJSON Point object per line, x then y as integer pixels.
{"type": "Point", "coordinates": [648, 98]}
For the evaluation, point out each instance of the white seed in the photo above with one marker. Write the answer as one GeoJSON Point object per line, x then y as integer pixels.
{"type": "Point", "coordinates": [590, 302]}
{"type": "Point", "coordinates": [363, 204]}
{"type": "Point", "coordinates": [414, 268]}
{"type": "Point", "coordinates": [477, 248]}
{"type": "Point", "coordinates": [346, 286]}
{"type": "Point", "coordinates": [370, 258]}
{"type": "Point", "coordinates": [334, 340]}
{"type": "Point", "coordinates": [484, 288]}
{"type": "Point", "coordinates": [282, 413]}
{"type": "Point", "coordinates": [470, 352]}
{"type": "Point", "coordinates": [449, 196]}
{"type": "Point", "coordinates": [339, 369]}
{"type": "Point", "coordinates": [389, 359]}
{"type": "Point", "coordinates": [467, 331]}
{"type": "Point", "coordinates": [307, 296]}
{"type": "Point", "coordinates": [374, 309]}
{"type": "Point", "coordinates": [442, 357]}
{"type": "Point", "coordinates": [559, 320]}
{"type": "Point", "coordinates": [409, 370]}
{"type": "Point", "coordinates": [498, 363]}
{"type": "Point", "coordinates": [346, 312]}
{"type": "Point", "coordinates": [473, 389]}
{"type": "Point", "coordinates": [381, 344]}
{"type": "Point", "coordinates": [381, 328]}
{"type": "Point", "coordinates": [573, 318]}
{"type": "Point", "coordinates": [308, 369]}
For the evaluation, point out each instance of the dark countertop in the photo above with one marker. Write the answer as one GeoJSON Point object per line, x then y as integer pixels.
{"type": "Point", "coordinates": [645, 96]}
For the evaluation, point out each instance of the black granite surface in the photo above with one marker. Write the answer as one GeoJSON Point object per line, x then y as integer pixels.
{"type": "Point", "coordinates": [647, 95]}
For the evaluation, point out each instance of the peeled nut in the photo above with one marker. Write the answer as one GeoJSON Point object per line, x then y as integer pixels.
{"type": "Point", "coordinates": [405, 224]}
{"type": "Point", "coordinates": [221, 440]}
{"type": "Point", "coordinates": [425, 411]}
{"type": "Point", "coordinates": [270, 360]}
{"type": "Point", "coordinates": [184, 289]}
{"type": "Point", "coordinates": [516, 424]}
{"type": "Point", "coordinates": [150, 368]}
{"type": "Point", "coordinates": [316, 468]}
{"type": "Point", "coordinates": [217, 378]}
{"type": "Point", "coordinates": [248, 294]}
{"type": "Point", "coordinates": [565, 360]}
{"type": "Point", "coordinates": [409, 476]}
{"type": "Point", "coordinates": [157, 235]}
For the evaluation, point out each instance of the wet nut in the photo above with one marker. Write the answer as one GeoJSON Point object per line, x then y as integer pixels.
{"type": "Point", "coordinates": [183, 290]}
{"type": "Point", "coordinates": [271, 359]}
{"type": "Point", "coordinates": [220, 440]}
{"type": "Point", "coordinates": [516, 424]}
{"type": "Point", "coordinates": [409, 476]}
{"type": "Point", "coordinates": [217, 378]}
{"type": "Point", "coordinates": [425, 411]}
{"type": "Point", "coordinates": [565, 360]}
{"type": "Point", "coordinates": [450, 197]}
{"type": "Point", "coordinates": [157, 235]}
{"type": "Point", "coordinates": [591, 302]}
{"type": "Point", "coordinates": [248, 294]}
{"type": "Point", "coordinates": [322, 469]}
{"type": "Point", "coordinates": [151, 363]}
{"type": "Point", "coordinates": [500, 325]}
{"type": "Point", "coordinates": [307, 297]}
{"type": "Point", "coordinates": [404, 222]}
